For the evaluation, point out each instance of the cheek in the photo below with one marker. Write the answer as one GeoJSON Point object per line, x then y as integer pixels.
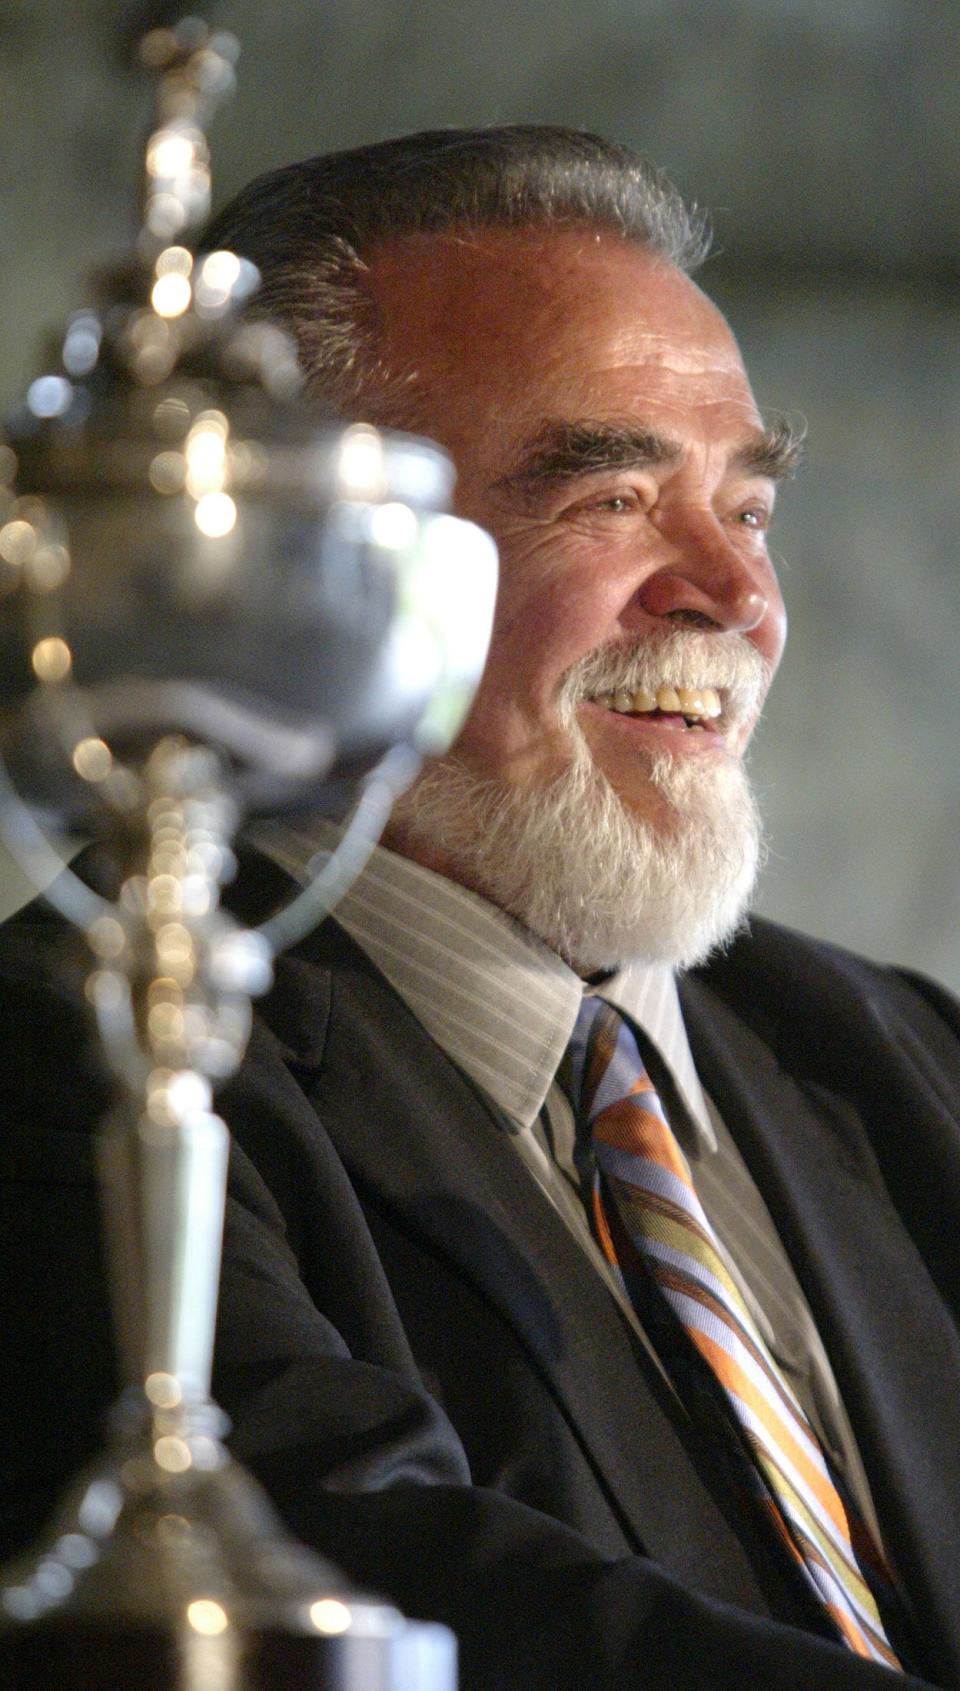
{"type": "Point", "coordinates": [555, 602]}
{"type": "Point", "coordinates": [546, 618]}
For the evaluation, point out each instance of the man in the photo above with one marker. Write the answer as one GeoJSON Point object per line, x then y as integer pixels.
{"type": "Point", "coordinates": [460, 1375]}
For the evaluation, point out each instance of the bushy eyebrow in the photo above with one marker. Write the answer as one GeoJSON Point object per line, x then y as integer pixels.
{"type": "Point", "coordinates": [776, 452]}
{"type": "Point", "coordinates": [559, 452]}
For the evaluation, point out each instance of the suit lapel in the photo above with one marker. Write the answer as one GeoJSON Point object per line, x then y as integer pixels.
{"type": "Point", "coordinates": [892, 1343]}
{"type": "Point", "coordinates": [418, 1140]}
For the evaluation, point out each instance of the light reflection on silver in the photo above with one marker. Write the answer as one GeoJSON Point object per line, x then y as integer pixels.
{"type": "Point", "coordinates": [18, 541]}
{"type": "Point", "coordinates": [92, 759]}
{"type": "Point", "coordinates": [207, 1617]}
{"type": "Point", "coordinates": [107, 937]}
{"type": "Point", "coordinates": [223, 282]}
{"type": "Point", "coordinates": [360, 467]}
{"type": "Point", "coordinates": [47, 568]}
{"type": "Point", "coordinates": [215, 515]}
{"type": "Point", "coordinates": [76, 1550]}
{"type": "Point", "coordinates": [163, 1390]}
{"type": "Point", "coordinates": [49, 396]}
{"type": "Point", "coordinates": [171, 295]}
{"type": "Point", "coordinates": [81, 346]}
{"type": "Point", "coordinates": [171, 417]}
{"type": "Point", "coordinates": [174, 261]}
{"type": "Point", "coordinates": [211, 1651]}
{"type": "Point", "coordinates": [52, 659]}
{"type": "Point", "coordinates": [330, 1616]}
{"type": "Point", "coordinates": [205, 452]}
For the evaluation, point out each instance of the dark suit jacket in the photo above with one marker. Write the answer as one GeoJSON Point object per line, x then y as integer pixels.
{"type": "Point", "coordinates": [433, 1382]}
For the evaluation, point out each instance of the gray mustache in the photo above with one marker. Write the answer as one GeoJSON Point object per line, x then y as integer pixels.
{"type": "Point", "coordinates": [679, 658]}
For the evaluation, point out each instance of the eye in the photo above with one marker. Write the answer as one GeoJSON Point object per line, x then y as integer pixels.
{"type": "Point", "coordinates": [756, 517]}
{"type": "Point", "coordinates": [623, 503]}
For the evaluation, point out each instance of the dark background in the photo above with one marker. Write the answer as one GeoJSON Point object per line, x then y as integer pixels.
{"type": "Point", "coordinates": [825, 140]}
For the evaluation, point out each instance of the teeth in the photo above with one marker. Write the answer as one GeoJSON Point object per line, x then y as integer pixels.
{"type": "Point", "coordinates": [678, 701]}
{"type": "Point", "coordinates": [691, 701]}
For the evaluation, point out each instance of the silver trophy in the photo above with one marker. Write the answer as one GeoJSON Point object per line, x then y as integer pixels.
{"type": "Point", "coordinates": [209, 608]}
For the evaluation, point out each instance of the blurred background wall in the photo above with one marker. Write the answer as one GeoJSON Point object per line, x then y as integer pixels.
{"type": "Point", "coordinates": [825, 139]}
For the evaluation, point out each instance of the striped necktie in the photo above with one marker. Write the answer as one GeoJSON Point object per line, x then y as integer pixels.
{"type": "Point", "coordinates": [645, 1210]}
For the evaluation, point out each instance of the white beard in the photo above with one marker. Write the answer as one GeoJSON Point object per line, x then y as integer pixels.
{"type": "Point", "coordinates": [600, 884]}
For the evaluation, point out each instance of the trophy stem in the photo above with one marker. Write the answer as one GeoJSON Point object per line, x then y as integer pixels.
{"type": "Point", "coordinates": [173, 1019]}
{"type": "Point", "coordinates": [163, 1190]}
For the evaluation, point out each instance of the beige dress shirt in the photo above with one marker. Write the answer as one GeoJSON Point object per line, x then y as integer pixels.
{"type": "Point", "coordinates": [502, 1006]}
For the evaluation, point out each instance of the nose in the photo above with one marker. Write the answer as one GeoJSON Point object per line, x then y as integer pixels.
{"type": "Point", "coordinates": [737, 606]}
{"type": "Point", "coordinates": [708, 578]}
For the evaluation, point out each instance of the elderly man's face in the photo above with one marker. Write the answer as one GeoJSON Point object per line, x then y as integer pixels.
{"type": "Point", "coordinates": [604, 431]}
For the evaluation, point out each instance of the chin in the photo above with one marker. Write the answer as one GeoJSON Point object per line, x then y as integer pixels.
{"type": "Point", "coordinates": [601, 879]}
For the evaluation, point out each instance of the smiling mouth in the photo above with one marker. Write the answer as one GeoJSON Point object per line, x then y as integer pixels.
{"type": "Point", "coordinates": [696, 707]}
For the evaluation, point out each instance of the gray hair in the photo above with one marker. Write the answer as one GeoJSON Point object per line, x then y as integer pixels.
{"type": "Point", "coordinates": [311, 228]}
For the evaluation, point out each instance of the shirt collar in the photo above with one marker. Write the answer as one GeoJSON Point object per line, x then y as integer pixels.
{"type": "Point", "coordinates": [498, 1001]}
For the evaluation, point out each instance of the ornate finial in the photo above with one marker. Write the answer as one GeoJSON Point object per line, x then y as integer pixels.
{"type": "Point", "coordinates": [196, 69]}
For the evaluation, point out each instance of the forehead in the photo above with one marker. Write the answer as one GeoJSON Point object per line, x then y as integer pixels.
{"type": "Point", "coordinates": [504, 327]}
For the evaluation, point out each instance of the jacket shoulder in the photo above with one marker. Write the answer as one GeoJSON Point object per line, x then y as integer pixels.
{"type": "Point", "coordinates": [819, 1005]}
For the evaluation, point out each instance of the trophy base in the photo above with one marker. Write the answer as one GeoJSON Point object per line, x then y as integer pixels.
{"type": "Point", "coordinates": [167, 1569]}
{"type": "Point", "coordinates": [67, 1653]}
